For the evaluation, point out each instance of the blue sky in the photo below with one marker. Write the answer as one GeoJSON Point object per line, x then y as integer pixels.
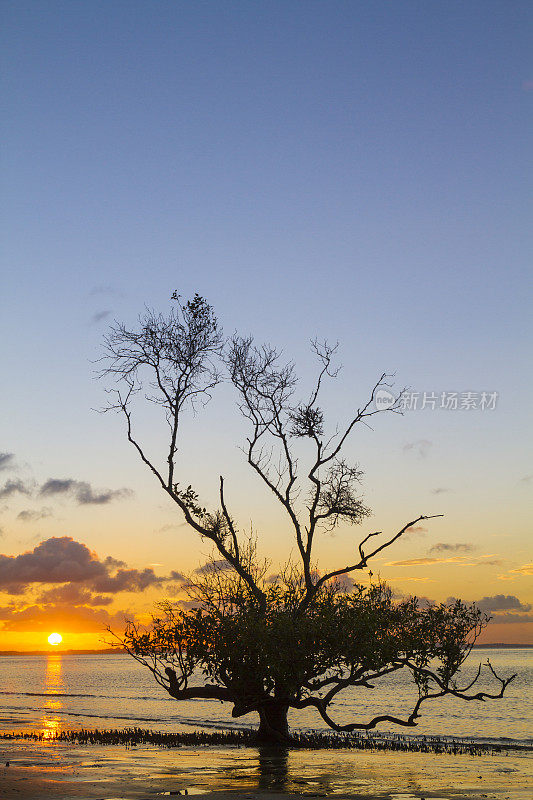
{"type": "Point", "coordinates": [343, 169]}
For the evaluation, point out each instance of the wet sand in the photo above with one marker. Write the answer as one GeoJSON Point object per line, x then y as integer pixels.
{"type": "Point", "coordinates": [64, 770]}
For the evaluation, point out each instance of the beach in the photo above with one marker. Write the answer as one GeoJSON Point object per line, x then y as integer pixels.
{"type": "Point", "coordinates": [52, 696]}
{"type": "Point", "coordinates": [39, 770]}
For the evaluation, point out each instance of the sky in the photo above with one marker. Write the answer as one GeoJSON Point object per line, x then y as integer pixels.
{"type": "Point", "coordinates": [353, 171]}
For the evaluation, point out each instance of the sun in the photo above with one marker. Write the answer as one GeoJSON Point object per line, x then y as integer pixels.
{"type": "Point", "coordinates": [55, 638]}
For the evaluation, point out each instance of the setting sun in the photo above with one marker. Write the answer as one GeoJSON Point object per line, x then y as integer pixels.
{"type": "Point", "coordinates": [55, 638]}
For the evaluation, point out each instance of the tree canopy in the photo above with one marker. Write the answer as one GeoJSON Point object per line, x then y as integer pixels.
{"type": "Point", "coordinates": [294, 640]}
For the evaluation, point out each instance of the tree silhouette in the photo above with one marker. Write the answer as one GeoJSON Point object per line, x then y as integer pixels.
{"type": "Point", "coordinates": [295, 640]}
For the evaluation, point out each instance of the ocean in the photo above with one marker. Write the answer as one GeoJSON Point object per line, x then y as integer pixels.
{"type": "Point", "coordinates": [67, 692]}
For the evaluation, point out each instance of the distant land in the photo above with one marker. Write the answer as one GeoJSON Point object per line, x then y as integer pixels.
{"type": "Point", "coordinates": [118, 651]}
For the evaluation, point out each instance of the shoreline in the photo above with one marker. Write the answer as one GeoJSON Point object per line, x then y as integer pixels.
{"type": "Point", "coordinates": [38, 770]}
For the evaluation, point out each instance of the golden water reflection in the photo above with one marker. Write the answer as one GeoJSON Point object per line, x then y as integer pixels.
{"type": "Point", "coordinates": [53, 684]}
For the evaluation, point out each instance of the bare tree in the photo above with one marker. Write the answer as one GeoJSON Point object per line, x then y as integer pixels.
{"type": "Point", "coordinates": [296, 641]}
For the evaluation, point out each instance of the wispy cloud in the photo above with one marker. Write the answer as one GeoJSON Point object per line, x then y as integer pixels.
{"type": "Point", "coordinates": [98, 316]}
{"type": "Point", "coordinates": [81, 491]}
{"type": "Point", "coordinates": [420, 447]}
{"type": "Point", "coordinates": [427, 560]}
{"type": "Point", "coordinates": [526, 569]}
{"type": "Point", "coordinates": [213, 566]}
{"type": "Point", "coordinates": [12, 487]}
{"type": "Point", "coordinates": [440, 490]}
{"type": "Point", "coordinates": [7, 461]}
{"type": "Point", "coordinates": [28, 515]}
{"type": "Point", "coordinates": [447, 547]}
{"type": "Point", "coordinates": [416, 529]}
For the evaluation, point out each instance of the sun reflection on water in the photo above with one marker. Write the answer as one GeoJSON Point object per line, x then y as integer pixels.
{"type": "Point", "coordinates": [53, 683]}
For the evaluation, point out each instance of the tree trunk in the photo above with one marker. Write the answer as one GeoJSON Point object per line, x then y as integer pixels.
{"type": "Point", "coordinates": [273, 724]}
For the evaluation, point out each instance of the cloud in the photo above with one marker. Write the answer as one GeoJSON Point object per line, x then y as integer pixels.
{"type": "Point", "coordinates": [128, 580]}
{"type": "Point", "coordinates": [412, 562]}
{"type": "Point", "coordinates": [505, 619]}
{"type": "Point", "coordinates": [64, 560]}
{"type": "Point", "coordinates": [56, 560]}
{"type": "Point", "coordinates": [100, 315]}
{"type": "Point", "coordinates": [420, 447]}
{"type": "Point", "coordinates": [27, 515]}
{"type": "Point", "coordinates": [419, 529]}
{"type": "Point", "coordinates": [502, 602]}
{"type": "Point", "coordinates": [81, 491]}
{"type": "Point", "coordinates": [7, 460]}
{"type": "Point", "coordinates": [12, 487]}
{"type": "Point", "coordinates": [526, 569]}
{"type": "Point", "coordinates": [439, 490]}
{"type": "Point", "coordinates": [446, 547]}
{"type": "Point", "coordinates": [73, 595]}
{"type": "Point", "coordinates": [170, 527]}
{"type": "Point", "coordinates": [526, 479]}
{"type": "Point", "coordinates": [213, 566]}
{"type": "Point", "coordinates": [66, 618]}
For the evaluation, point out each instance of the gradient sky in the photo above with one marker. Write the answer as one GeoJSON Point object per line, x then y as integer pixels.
{"type": "Point", "coordinates": [350, 170]}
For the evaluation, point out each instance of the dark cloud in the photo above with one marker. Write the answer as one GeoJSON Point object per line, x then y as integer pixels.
{"type": "Point", "coordinates": [128, 580]}
{"type": "Point", "coordinates": [7, 460]}
{"type": "Point", "coordinates": [100, 315]}
{"type": "Point", "coordinates": [114, 562]}
{"type": "Point", "coordinates": [27, 515]}
{"type": "Point", "coordinates": [56, 560]}
{"type": "Point", "coordinates": [57, 486]}
{"type": "Point", "coordinates": [446, 547]}
{"type": "Point", "coordinates": [64, 560]}
{"type": "Point", "coordinates": [502, 602]}
{"type": "Point", "coordinates": [73, 594]}
{"type": "Point", "coordinates": [213, 566]}
{"type": "Point", "coordinates": [420, 447]}
{"type": "Point", "coordinates": [505, 619]}
{"type": "Point", "coordinates": [12, 487]}
{"type": "Point", "coordinates": [81, 491]}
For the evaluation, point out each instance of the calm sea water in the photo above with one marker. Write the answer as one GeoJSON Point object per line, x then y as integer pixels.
{"type": "Point", "coordinates": [64, 692]}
